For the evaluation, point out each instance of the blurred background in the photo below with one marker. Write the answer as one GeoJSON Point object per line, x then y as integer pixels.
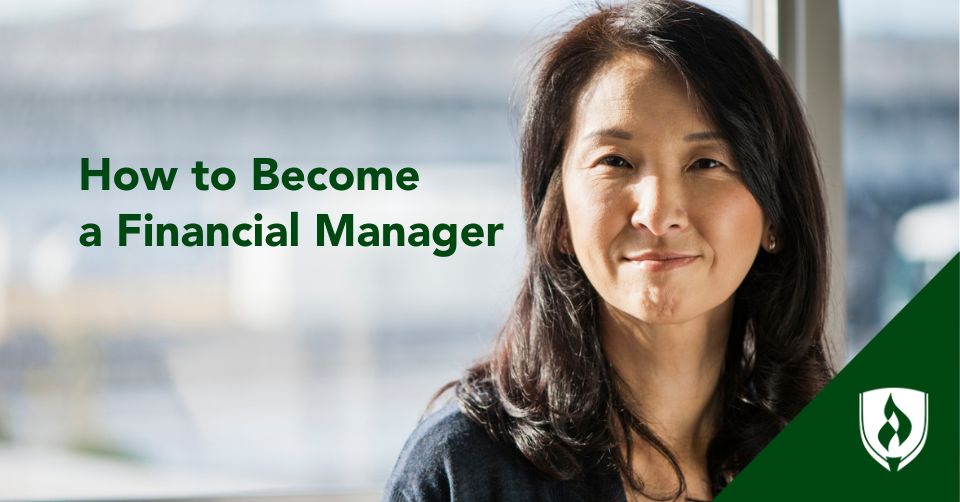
{"type": "Point", "coordinates": [171, 372]}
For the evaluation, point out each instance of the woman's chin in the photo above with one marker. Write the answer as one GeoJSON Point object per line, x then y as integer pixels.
{"type": "Point", "coordinates": [659, 306]}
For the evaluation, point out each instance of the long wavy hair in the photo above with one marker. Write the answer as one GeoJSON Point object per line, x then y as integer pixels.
{"type": "Point", "coordinates": [546, 387]}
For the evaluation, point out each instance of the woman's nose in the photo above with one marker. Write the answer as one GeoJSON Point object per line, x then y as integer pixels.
{"type": "Point", "coordinates": [659, 205]}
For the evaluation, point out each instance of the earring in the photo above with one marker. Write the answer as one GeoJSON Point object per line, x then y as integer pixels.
{"type": "Point", "coordinates": [564, 244]}
{"type": "Point", "coordinates": [773, 243]}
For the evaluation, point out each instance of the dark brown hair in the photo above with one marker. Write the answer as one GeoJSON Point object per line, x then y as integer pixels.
{"type": "Point", "coordinates": [547, 388]}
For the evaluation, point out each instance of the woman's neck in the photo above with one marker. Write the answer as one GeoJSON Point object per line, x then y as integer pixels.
{"type": "Point", "coordinates": [671, 372]}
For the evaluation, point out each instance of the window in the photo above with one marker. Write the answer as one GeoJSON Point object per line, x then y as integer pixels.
{"type": "Point", "coordinates": [900, 154]}
{"type": "Point", "coordinates": [155, 372]}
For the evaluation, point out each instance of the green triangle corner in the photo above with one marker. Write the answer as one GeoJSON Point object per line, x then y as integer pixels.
{"type": "Point", "coordinates": [820, 456]}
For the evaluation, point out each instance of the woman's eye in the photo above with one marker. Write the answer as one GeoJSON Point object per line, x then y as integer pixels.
{"type": "Point", "coordinates": [707, 164]}
{"type": "Point", "coordinates": [615, 161]}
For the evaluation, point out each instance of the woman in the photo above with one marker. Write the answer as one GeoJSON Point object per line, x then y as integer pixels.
{"type": "Point", "coordinates": [671, 319]}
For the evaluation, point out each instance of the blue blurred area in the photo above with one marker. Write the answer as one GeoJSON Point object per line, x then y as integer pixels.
{"type": "Point", "coordinates": [900, 154]}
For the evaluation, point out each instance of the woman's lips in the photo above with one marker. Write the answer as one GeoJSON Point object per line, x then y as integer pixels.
{"type": "Point", "coordinates": [653, 262]}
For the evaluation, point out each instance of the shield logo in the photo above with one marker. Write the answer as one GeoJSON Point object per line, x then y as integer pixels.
{"type": "Point", "coordinates": [893, 425]}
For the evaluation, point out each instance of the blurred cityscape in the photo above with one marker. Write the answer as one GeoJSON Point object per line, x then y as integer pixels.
{"type": "Point", "coordinates": [161, 372]}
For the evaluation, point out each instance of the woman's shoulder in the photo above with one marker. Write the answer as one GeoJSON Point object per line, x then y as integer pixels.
{"type": "Point", "coordinates": [445, 457]}
{"type": "Point", "coordinates": [449, 457]}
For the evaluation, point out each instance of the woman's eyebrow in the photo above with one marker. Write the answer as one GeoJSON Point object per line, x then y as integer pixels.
{"type": "Point", "coordinates": [611, 132]}
{"type": "Point", "coordinates": [703, 136]}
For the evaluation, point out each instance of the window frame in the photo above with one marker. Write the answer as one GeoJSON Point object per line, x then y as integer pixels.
{"type": "Point", "coordinates": [805, 36]}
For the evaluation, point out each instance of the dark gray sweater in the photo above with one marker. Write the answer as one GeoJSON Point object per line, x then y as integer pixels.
{"type": "Point", "coordinates": [451, 458]}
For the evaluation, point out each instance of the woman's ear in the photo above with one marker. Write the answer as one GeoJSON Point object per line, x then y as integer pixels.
{"type": "Point", "coordinates": [563, 235]}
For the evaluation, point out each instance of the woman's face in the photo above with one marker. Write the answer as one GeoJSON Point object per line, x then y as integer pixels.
{"type": "Point", "coordinates": [658, 215]}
